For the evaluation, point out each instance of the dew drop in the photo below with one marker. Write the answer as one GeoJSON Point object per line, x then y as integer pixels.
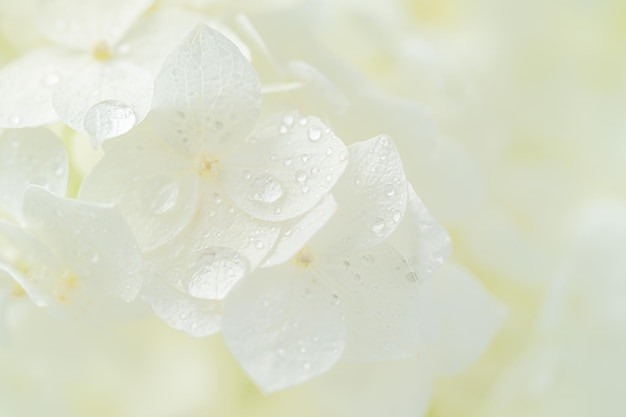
{"type": "Point", "coordinates": [287, 162]}
{"type": "Point", "coordinates": [390, 190]}
{"type": "Point", "coordinates": [368, 259]}
{"type": "Point", "coordinates": [266, 189]}
{"type": "Point", "coordinates": [301, 176]}
{"type": "Point", "coordinates": [288, 119]}
{"type": "Point", "coordinates": [216, 198]}
{"type": "Point", "coordinates": [314, 133]}
{"type": "Point", "coordinates": [329, 151]}
{"type": "Point", "coordinates": [258, 244]}
{"type": "Point", "coordinates": [246, 174]}
{"type": "Point", "coordinates": [108, 119]}
{"type": "Point", "coordinates": [160, 196]}
{"type": "Point", "coordinates": [411, 276]}
{"type": "Point", "coordinates": [283, 129]}
{"type": "Point", "coordinates": [288, 231]}
{"type": "Point", "coordinates": [305, 189]}
{"type": "Point", "coordinates": [334, 300]}
{"type": "Point", "coordinates": [50, 79]}
{"type": "Point", "coordinates": [305, 158]}
{"type": "Point", "coordinates": [342, 156]}
{"type": "Point", "coordinates": [303, 121]}
{"type": "Point", "coordinates": [384, 140]}
{"type": "Point", "coordinates": [396, 215]}
{"type": "Point", "coordinates": [378, 225]}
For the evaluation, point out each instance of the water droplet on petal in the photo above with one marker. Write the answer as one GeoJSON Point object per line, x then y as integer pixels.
{"type": "Point", "coordinates": [216, 198]}
{"type": "Point", "coordinates": [246, 174]}
{"type": "Point", "coordinates": [306, 366]}
{"type": "Point", "coordinates": [334, 300]}
{"type": "Point", "coordinates": [396, 215]}
{"type": "Point", "coordinates": [390, 189]}
{"type": "Point", "coordinates": [160, 195]}
{"type": "Point", "coordinates": [266, 189]}
{"type": "Point", "coordinates": [108, 119]}
{"type": "Point", "coordinates": [368, 259]}
{"type": "Point", "coordinates": [378, 225]}
{"type": "Point", "coordinates": [301, 176]}
{"type": "Point", "coordinates": [411, 276]}
{"type": "Point", "coordinates": [385, 141]}
{"type": "Point", "coordinates": [314, 133]}
{"type": "Point", "coordinates": [305, 158]}
{"type": "Point", "coordinates": [329, 151]}
{"type": "Point", "coordinates": [283, 129]}
{"type": "Point", "coordinates": [303, 121]}
{"type": "Point", "coordinates": [288, 119]}
{"type": "Point", "coordinates": [287, 162]}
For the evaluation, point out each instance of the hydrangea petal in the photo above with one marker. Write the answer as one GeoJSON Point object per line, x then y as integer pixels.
{"type": "Point", "coordinates": [154, 186]}
{"type": "Point", "coordinates": [29, 156]}
{"type": "Point", "coordinates": [283, 326]}
{"type": "Point", "coordinates": [295, 234]}
{"type": "Point", "coordinates": [94, 242]}
{"type": "Point", "coordinates": [195, 316]}
{"type": "Point", "coordinates": [423, 242]}
{"type": "Point", "coordinates": [27, 85]}
{"type": "Point", "coordinates": [104, 100]}
{"type": "Point", "coordinates": [371, 197]}
{"type": "Point", "coordinates": [287, 166]}
{"type": "Point", "coordinates": [207, 95]}
{"type": "Point", "coordinates": [469, 318]}
{"type": "Point", "coordinates": [79, 24]}
{"type": "Point", "coordinates": [29, 262]}
{"type": "Point", "coordinates": [380, 295]}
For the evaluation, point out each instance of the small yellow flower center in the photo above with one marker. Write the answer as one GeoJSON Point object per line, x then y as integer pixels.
{"type": "Point", "coordinates": [68, 284]}
{"type": "Point", "coordinates": [304, 257]}
{"type": "Point", "coordinates": [206, 165]}
{"type": "Point", "coordinates": [101, 51]}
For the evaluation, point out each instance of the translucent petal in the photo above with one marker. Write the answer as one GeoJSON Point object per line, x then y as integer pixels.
{"type": "Point", "coordinates": [422, 241]}
{"type": "Point", "coordinates": [207, 95]}
{"type": "Point", "coordinates": [469, 318]}
{"type": "Point", "coordinates": [286, 167]}
{"type": "Point", "coordinates": [29, 156]}
{"type": "Point", "coordinates": [218, 247]}
{"type": "Point", "coordinates": [154, 186]}
{"type": "Point", "coordinates": [27, 84]}
{"type": "Point", "coordinates": [29, 262]}
{"type": "Point", "coordinates": [195, 316]}
{"type": "Point", "coordinates": [371, 198]}
{"type": "Point", "coordinates": [380, 295]}
{"type": "Point", "coordinates": [94, 243]}
{"type": "Point", "coordinates": [79, 24]}
{"type": "Point", "coordinates": [295, 234]}
{"type": "Point", "coordinates": [283, 326]}
{"type": "Point", "coordinates": [104, 100]}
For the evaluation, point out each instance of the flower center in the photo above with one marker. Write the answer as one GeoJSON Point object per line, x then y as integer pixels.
{"type": "Point", "coordinates": [101, 51]}
{"type": "Point", "coordinates": [206, 165]}
{"type": "Point", "coordinates": [304, 257]}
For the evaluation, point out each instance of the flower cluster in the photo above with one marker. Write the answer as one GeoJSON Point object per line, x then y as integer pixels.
{"type": "Point", "coordinates": [154, 163]}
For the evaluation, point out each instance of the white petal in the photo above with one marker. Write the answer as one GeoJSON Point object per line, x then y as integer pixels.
{"type": "Point", "coordinates": [29, 262]}
{"type": "Point", "coordinates": [286, 167]}
{"type": "Point", "coordinates": [195, 316]}
{"type": "Point", "coordinates": [469, 318]}
{"type": "Point", "coordinates": [422, 241]}
{"type": "Point", "coordinates": [295, 234]}
{"type": "Point", "coordinates": [207, 95]}
{"type": "Point", "coordinates": [79, 24]}
{"type": "Point", "coordinates": [29, 156]}
{"type": "Point", "coordinates": [27, 85]}
{"type": "Point", "coordinates": [94, 243]}
{"type": "Point", "coordinates": [104, 100]}
{"type": "Point", "coordinates": [154, 186]}
{"type": "Point", "coordinates": [371, 198]}
{"type": "Point", "coordinates": [283, 326]}
{"type": "Point", "coordinates": [380, 296]}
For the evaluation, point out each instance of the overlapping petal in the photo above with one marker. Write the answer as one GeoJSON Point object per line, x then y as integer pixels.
{"type": "Point", "coordinates": [284, 326]}
{"type": "Point", "coordinates": [285, 168]}
{"type": "Point", "coordinates": [29, 156]}
{"type": "Point", "coordinates": [207, 95]}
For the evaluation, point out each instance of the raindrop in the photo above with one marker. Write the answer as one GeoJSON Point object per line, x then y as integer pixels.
{"type": "Point", "coordinates": [303, 121]}
{"type": "Point", "coordinates": [411, 276]}
{"type": "Point", "coordinates": [287, 162]}
{"type": "Point", "coordinates": [50, 79]}
{"type": "Point", "coordinates": [305, 189]}
{"type": "Point", "coordinates": [301, 176]}
{"type": "Point", "coordinates": [283, 129]}
{"type": "Point", "coordinates": [314, 133]}
{"type": "Point", "coordinates": [161, 196]}
{"type": "Point", "coordinates": [288, 231]}
{"type": "Point", "coordinates": [246, 174]}
{"type": "Point", "coordinates": [108, 119]}
{"type": "Point", "coordinates": [385, 141]}
{"type": "Point", "coordinates": [396, 215]}
{"type": "Point", "coordinates": [266, 189]}
{"type": "Point", "coordinates": [288, 119]}
{"type": "Point", "coordinates": [216, 198]}
{"type": "Point", "coordinates": [342, 155]}
{"type": "Point", "coordinates": [368, 259]}
{"type": "Point", "coordinates": [258, 244]}
{"type": "Point", "coordinates": [329, 151]}
{"type": "Point", "coordinates": [334, 300]}
{"type": "Point", "coordinates": [305, 158]}
{"type": "Point", "coordinates": [378, 225]}
{"type": "Point", "coordinates": [390, 190]}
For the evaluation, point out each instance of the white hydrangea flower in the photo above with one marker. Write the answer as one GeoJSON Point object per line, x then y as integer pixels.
{"type": "Point", "coordinates": [63, 253]}
{"type": "Point", "coordinates": [205, 190]}
{"type": "Point", "coordinates": [97, 75]}
{"type": "Point", "coordinates": [352, 291]}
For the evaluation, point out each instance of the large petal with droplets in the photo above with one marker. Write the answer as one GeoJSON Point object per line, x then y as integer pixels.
{"type": "Point", "coordinates": [371, 198]}
{"type": "Point", "coordinates": [153, 185]}
{"type": "Point", "coordinates": [287, 166]}
{"type": "Point", "coordinates": [380, 295]}
{"type": "Point", "coordinates": [29, 156]}
{"type": "Point", "coordinates": [207, 95]}
{"type": "Point", "coordinates": [283, 326]}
